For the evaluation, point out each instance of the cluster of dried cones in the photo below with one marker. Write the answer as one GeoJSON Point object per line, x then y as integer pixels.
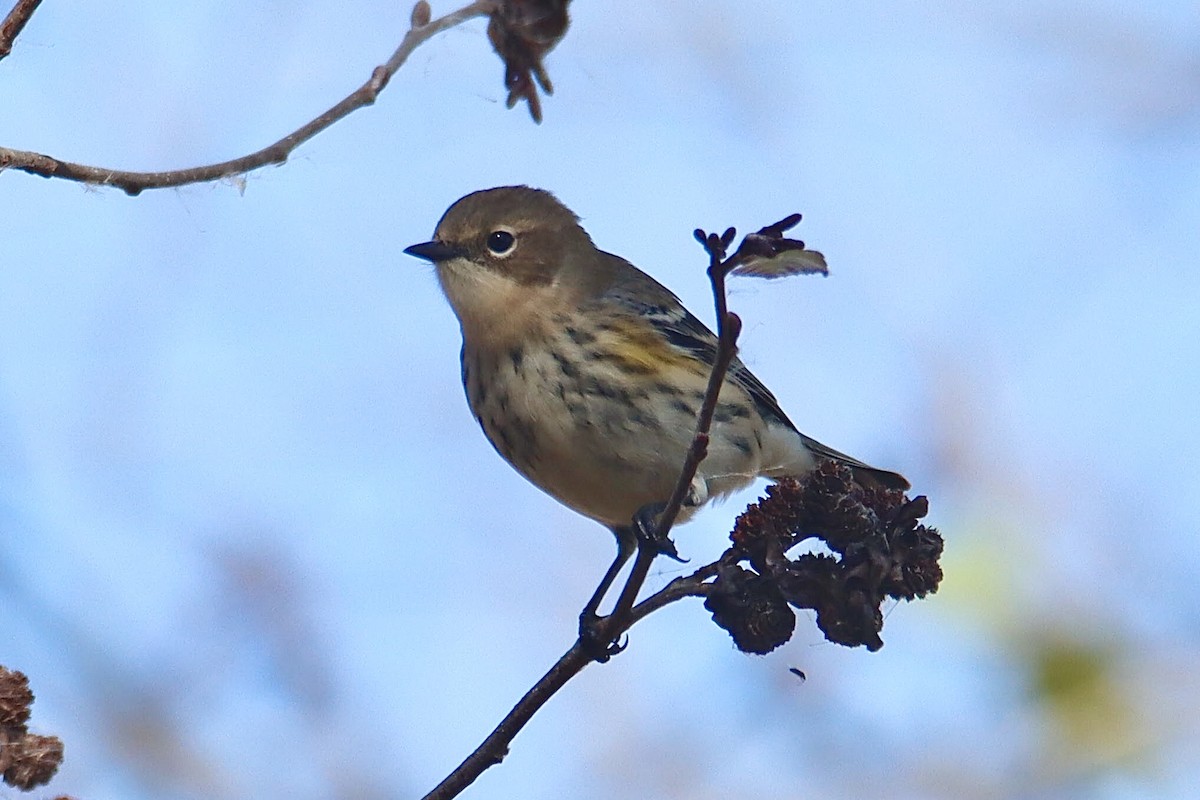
{"type": "Point", "coordinates": [26, 759]}
{"type": "Point", "coordinates": [522, 33]}
{"type": "Point", "coordinates": [878, 550]}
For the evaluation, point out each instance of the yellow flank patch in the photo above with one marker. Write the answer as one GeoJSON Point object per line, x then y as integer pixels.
{"type": "Point", "coordinates": [639, 348]}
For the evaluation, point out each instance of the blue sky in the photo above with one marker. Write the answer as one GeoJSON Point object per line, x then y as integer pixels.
{"type": "Point", "coordinates": [254, 540]}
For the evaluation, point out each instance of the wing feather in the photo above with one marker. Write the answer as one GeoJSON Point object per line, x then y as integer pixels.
{"type": "Point", "coordinates": [650, 300]}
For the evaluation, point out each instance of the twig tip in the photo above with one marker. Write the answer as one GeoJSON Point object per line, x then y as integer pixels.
{"type": "Point", "coordinates": [421, 14]}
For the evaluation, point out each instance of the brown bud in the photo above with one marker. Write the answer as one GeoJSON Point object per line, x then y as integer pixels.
{"type": "Point", "coordinates": [421, 14]}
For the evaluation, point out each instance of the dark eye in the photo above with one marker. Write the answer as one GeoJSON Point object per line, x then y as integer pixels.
{"type": "Point", "coordinates": [500, 242]}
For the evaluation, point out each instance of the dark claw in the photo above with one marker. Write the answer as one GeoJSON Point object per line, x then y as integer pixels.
{"type": "Point", "coordinates": [594, 639]}
{"type": "Point", "coordinates": [646, 527]}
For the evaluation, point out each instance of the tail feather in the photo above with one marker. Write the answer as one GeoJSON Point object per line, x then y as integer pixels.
{"type": "Point", "coordinates": [863, 473]}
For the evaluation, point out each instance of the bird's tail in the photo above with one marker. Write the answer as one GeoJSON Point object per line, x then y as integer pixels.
{"type": "Point", "coordinates": [863, 473]}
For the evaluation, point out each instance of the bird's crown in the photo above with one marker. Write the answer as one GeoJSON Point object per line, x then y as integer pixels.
{"type": "Point", "coordinates": [521, 232]}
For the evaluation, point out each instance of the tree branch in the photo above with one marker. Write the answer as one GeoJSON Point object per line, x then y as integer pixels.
{"type": "Point", "coordinates": [729, 326]}
{"type": "Point", "coordinates": [133, 183]}
{"type": "Point", "coordinates": [494, 748]}
{"type": "Point", "coordinates": [14, 23]}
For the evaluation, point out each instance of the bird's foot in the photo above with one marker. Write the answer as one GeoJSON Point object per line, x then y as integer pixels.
{"type": "Point", "coordinates": [645, 526]}
{"type": "Point", "coordinates": [595, 638]}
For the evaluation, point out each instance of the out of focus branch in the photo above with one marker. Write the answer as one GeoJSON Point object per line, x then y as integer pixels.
{"type": "Point", "coordinates": [133, 183]}
{"type": "Point", "coordinates": [14, 23]}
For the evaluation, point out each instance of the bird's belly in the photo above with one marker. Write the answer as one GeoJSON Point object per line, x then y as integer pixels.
{"type": "Point", "coordinates": [597, 441]}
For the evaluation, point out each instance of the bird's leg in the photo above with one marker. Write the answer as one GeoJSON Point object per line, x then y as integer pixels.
{"type": "Point", "coordinates": [592, 627]}
{"type": "Point", "coordinates": [650, 541]}
{"type": "Point", "coordinates": [646, 521]}
{"type": "Point", "coordinates": [648, 534]}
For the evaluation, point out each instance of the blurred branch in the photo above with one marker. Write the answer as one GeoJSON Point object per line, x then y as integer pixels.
{"type": "Point", "coordinates": [14, 23]}
{"type": "Point", "coordinates": [132, 183]}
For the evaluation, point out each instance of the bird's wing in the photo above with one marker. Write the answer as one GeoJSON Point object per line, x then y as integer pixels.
{"type": "Point", "coordinates": [683, 330]}
{"type": "Point", "coordinates": [655, 303]}
{"type": "Point", "coordinates": [648, 299]}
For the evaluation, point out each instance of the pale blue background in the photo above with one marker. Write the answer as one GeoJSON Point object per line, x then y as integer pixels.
{"type": "Point", "coordinates": [252, 543]}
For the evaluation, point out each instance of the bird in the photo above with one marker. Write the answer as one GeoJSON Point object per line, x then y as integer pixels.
{"type": "Point", "coordinates": [586, 374]}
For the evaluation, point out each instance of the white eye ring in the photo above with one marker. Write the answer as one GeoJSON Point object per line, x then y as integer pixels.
{"type": "Point", "coordinates": [501, 242]}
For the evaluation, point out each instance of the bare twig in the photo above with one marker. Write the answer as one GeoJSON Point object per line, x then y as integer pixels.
{"type": "Point", "coordinates": [729, 326]}
{"type": "Point", "coordinates": [494, 748]}
{"type": "Point", "coordinates": [133, 183]}
{"type": "Point", "coordinates": [695, 585]}
{"type": "Point", "coordinates": [14, 23]}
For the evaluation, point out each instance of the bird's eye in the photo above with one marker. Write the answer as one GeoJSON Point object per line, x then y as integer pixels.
{"type": "Point", "coordinates": [500, 242]}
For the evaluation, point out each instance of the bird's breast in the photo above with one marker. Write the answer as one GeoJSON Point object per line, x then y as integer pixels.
{"type": "Point", "coordinates": [594, 428]}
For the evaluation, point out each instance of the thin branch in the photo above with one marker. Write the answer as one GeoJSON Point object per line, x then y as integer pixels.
{"type": "Point", "coordinates": [494, 748]}
{"type": "Point", "coordinates": [729, 326]}
{"type": "Point", "coordinates": [14, 23]}
{"type": "Point", "coordinates": [695, 585]}
{"type": "Point", "coordinates": [133, 183]}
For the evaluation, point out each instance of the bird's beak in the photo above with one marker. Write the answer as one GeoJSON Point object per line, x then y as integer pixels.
{"type": "Point", "coordinates": [434, 251]}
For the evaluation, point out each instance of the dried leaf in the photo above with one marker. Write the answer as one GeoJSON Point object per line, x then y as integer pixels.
{"type": "Point", "coordinates": [785, 260]}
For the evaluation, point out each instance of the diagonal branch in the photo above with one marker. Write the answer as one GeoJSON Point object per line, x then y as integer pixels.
{"type": "Point", "coordinates": [14, 23]}
{"type": "Point", "coordinates": [729, 326]}
{"type": "Point", "coordinates": [492, 750]}
{"type": "Point", "coordinates": [133, 183]}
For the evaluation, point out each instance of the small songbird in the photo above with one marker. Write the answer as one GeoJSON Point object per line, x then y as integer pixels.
{"type": "Point", "coordinates": [586, 374]}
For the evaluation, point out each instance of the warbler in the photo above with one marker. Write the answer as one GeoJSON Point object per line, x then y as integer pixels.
{"type": "Point", "coordinates": [586, 374]}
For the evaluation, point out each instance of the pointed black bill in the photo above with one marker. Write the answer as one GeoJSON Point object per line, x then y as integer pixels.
{"type": "Point", "coordinates": [434, 251]}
